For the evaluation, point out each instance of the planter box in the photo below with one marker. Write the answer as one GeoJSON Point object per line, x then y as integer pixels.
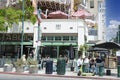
{"type": "Point", "coordinates": [33, 69]}
{"type": "Point", "coordinates": [8, 68]}
{"type": "Point", "coordinates": [19, 69]}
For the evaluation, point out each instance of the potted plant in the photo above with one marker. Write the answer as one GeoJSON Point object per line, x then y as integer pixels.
{"type": "Point", "coordinates": [19, 65]}
{"type": "Point", "coordinates": [33, 66]}
{"type": "Point", "coordinates": [8, 66]}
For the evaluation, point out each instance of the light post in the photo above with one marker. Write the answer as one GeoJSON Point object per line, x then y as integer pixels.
{"type": "Point", "coordinates": [22, 32]}
{"type": "Point", "coordinates": [118, 33]}
{"type": "Point", "coordinates": [39, 30]}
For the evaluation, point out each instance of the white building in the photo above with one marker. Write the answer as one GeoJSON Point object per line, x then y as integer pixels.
{"type": "Point", "coordinates": [61, 33]}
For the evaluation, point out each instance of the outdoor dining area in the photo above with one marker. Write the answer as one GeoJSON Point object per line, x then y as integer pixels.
{"type": "Point", "coordinates": [54, 10]}
{"type": "Point", "coordinates": [111, 55]}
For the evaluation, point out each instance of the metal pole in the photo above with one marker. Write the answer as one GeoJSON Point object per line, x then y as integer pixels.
{"type": "Point", "coordinates": [22, 36]}
{"type": "Point", "coordinates": [39, 30]}
{"type": "Point", "coordinates": [118, 33]}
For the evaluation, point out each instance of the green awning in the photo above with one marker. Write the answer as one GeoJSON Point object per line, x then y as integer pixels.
{"type": "Point", "coordinates": [58, 43]}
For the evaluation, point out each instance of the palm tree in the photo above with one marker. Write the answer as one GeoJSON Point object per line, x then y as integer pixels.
{"type": "Point", "coordinates": [83, 49]}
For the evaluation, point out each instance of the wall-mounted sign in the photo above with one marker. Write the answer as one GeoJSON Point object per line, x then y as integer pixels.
{"type": "Point", "coordinates": [117, 53]}
{"type": "Point", "coordinates": [15, 37]}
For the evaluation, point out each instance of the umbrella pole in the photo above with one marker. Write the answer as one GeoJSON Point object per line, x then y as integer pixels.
{"type": "Point", "coordinates": [108, 71]}
{"type": "Point", "coordinates": [108, 60]}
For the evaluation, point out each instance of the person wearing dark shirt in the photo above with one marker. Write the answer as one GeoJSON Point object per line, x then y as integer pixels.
{"type": "Point", "coordinates": [98, 63]}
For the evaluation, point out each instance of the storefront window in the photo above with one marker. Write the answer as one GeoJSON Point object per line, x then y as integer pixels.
{"type": "Point", "coordinates": [50, 38]}
{"type": "Point", "coordinates": [73, 38]}
{"type": "Point", "coordinates": [57, 38]}
{"type": "Point", "coordinates": [65, 38]}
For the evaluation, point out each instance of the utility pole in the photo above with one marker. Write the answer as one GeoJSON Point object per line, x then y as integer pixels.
{"type": "Point", "coordinates": [39, 30]}
{"type": "Point", "coordinates": [118, 34]}
{"type": "Point", "coordinates": [22, 32]}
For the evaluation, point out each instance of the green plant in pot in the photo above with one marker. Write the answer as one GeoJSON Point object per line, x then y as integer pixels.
{"type": "Point", "coordinates": [8, 66]}
{"type": "Point", "coordinates": [33, 65]}
{"type": "Point", "coordinates": [19, 65]}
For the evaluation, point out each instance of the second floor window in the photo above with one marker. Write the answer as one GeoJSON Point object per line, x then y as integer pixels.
{"type": "Point", "coordinates": [92, 4]}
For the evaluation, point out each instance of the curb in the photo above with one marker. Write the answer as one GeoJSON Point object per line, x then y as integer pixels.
{"type": "Point", "coordinates": [65, 76]}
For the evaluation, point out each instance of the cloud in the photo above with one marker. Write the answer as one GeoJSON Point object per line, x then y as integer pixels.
{"type": "Point", "coordinates": [115, 22]}
{"type": "Point", "coordinates": [111, 30]}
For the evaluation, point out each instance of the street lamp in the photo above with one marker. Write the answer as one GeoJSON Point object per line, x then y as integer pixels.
{"type": "Point", "coordinates": [39, 30]}
{"type": "Point", "coordinates": [22, 32]}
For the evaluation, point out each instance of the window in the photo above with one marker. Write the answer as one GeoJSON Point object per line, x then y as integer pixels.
{"type": "Point", "coordinates": [27, 28]}
{"type": "Point", "coordinates": [84, 2]}
{"type": "Point", "coordinates": [92, 32]}
{"type": "Point", "coordinates": [71, 27]}
{"type": "Point", "coordinates": [50, 38]}
{"type": "Point", "coordinates": [43, 38]}
{"type": "Point", "coordinates": [57, 38]}
{"type": "Point", "coordinates": [65, 38]}
{"type": "Point", "coordinates": [92, 4]}
{"type": "Point", "coordinates": [45, 27]}
{"type": "Point", "coordinates": [73, 38]}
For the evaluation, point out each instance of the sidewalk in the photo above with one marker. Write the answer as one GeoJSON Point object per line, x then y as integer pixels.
{"type": "Point", "coordinates": [68, 73]}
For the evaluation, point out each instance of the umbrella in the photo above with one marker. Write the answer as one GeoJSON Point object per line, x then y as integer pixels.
{"type": "Point", "coordinates": [90, 22]}
{"type": "Point", "coordinates": [97, 49]}
{"type": "Point", "coordinates": [82, 14]}
{"type": "Point", "coordinates": [71, 52]}
{"type": "Point", "coordinates": [58, 15]}
{"type": "Point", "coordinates": [108, 45]}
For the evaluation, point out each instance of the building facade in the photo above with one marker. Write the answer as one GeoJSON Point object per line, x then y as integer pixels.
{"type": "Point", "coordinates": [59, 34]}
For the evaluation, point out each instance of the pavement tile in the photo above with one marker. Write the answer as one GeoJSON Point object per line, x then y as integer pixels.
{"type": "Point", "coordinates": [68, 73]}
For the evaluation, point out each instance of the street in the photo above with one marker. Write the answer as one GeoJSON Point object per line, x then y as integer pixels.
{"type": "Point", "coordinates": [26, 77]}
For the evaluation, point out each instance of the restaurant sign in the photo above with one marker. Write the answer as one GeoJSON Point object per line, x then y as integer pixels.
{"type": "Point", "coordinates": [15, 37]}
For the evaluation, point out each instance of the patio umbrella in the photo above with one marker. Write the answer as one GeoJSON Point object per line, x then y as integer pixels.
{"type": "Point", "coordinates": [58, 15]}
{"type": "Point", "coordinates": [95, 49]}
{"type": "Point", "coordinates": [108, 45]}
{"type": "Point", "coordinates": [90, 22]}
{"type": "Point", "coordinates": [82, 14]}
{"type": "Point", "coordinates": [34, 4]}
{"type": "Point", "coordinates": [71, 52]}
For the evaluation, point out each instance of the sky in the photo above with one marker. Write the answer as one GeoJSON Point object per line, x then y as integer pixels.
{"type": "Point", "coordinates": [112, 10]}
{"type": "Point", "coordinates": [112, 18]}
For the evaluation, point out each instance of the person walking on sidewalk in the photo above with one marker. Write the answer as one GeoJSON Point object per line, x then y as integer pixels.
{"type": "Point", "coordinates": [98, 64]}
{"type": "Point", "coordinates": [86, 63]}
{"type": "Point", "coordinates": [79, 65]}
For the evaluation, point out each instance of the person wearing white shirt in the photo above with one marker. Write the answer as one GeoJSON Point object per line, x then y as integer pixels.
{"type": "Point", "coordinates": [79, 62]}
{"type": "Point", "coordinates": [79, 65]}
{"type": "Point", "coordinates": [86, 63]}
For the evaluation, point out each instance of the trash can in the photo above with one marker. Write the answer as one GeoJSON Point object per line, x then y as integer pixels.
{"type": "Point", "coordinates": [83, 68]}
{"type": "Point", "coordinates": [108, 72]}
{"type": "Point", "coordinates": [61, 66]}
{"type": "Point", "coordinates": [101, 71]}
{"type": "Point", "coordinates": [49, 67]}
{"type": "Point", "coordinates": [118, 71]}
